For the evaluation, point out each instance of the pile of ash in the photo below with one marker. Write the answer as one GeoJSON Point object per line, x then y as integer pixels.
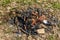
{"type": "Point", "coordinates": [28, 20]}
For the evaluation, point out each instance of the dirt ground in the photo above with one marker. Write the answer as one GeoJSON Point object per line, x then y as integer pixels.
{"type": "Point", "coordinates": [48, 33]}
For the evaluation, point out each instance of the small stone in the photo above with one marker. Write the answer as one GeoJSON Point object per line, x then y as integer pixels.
{"type": "Point", "coordinates": [30, 37]}
{"type": "Point", "coordinates": [51, 10]}
{"type": "Point", "coordinates": [41, 31]}
{"type": "Point", "coordinates": [43, 5]}
{"type": "Point", "coordinates": [20, 35]}
{"type": "Point", "coordinates": [11, 26]}
{"type": "Point", "coordinates": [8, 8]}
{"type": "Point", "coordinates": [0, 22]}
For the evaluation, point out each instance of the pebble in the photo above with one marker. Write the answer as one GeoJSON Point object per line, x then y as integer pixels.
{"type": "Point", "coordinates": [11, 26]}
{"type": "Point", "coordinates": [8, 8]}
{"type": "Point", "coordinates": [41, 31]}
{"type": "Point", "coordinates": [51, 10]}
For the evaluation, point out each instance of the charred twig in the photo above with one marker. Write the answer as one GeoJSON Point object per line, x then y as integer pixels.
{"type": "Point", "coordinates": [23, 30]}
